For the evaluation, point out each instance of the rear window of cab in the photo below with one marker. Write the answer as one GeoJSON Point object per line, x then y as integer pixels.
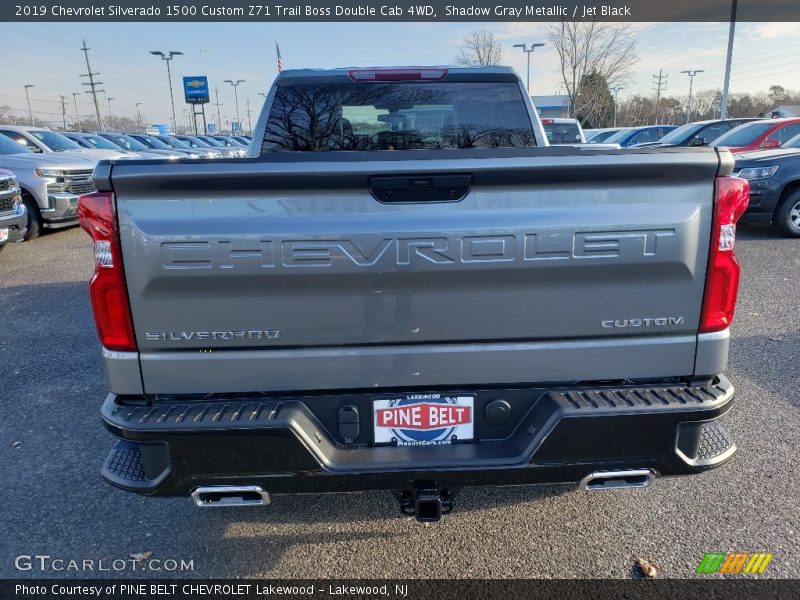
{"type": "Point", "coordinates": [397, 116]}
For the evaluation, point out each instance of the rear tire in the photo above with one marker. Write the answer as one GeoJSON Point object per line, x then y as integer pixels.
{"type": "Point", "coordinates": [787, 217]}
{"type": "Point", "coordinates": [34, 218]}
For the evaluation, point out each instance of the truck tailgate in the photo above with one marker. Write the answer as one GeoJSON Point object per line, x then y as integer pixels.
{"type": "Point", "coordinates": [284, 275]}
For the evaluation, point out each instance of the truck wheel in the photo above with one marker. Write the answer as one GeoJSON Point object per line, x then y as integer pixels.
{"type": "Point", "coordinates": [34, 218]}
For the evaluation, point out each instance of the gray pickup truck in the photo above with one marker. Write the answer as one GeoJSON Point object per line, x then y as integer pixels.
{"type": "Point", "coordinates": [405, 288]}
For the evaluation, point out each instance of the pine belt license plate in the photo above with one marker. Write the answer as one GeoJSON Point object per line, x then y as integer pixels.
{"type": "Point", "coordinates": [3, 234]}
{"type": "Point", "coordinates": [423, 419]}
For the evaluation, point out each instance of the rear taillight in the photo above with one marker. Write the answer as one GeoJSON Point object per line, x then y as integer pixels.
{"type": "Point", "coordinates": [722, 278]}
{"type": "Point", "coordinates": [406, 74]}
{"type": "Point", "coordinates": [112, 313]}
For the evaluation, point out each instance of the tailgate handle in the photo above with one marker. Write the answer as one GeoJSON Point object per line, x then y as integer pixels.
{"type": "Point", "coordinates": [420, 188]}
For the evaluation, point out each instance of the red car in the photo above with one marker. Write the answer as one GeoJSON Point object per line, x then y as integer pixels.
{"type": "Point", "coordinates": [760, 135]}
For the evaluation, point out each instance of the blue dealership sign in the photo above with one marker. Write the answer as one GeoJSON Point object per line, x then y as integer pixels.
{"type": "Point", "coordinates": [195, 89]}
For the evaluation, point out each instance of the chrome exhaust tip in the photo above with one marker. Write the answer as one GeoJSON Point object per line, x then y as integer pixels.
{"type": "Point", "coordinates": [618, 480]}
{"type": "Point", "coordinates": [229, 495]}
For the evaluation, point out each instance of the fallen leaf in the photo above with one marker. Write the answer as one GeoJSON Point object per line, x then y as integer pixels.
{"type": "Point", "coordinates": [648, 568]}
{"type": "Point", "coordinates": [773, 339]}
{"type": "Point", "coordinates": [16, 444]}
{"type": "Point", "coordinates": [140, 556]}
{"type": "Point", "coordinates": [752, 314]}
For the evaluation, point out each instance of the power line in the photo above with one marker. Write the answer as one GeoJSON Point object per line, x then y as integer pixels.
{"type": "Point", "coordinates": [93, 84]}
{"type": "Point", "coordinates": [64, 109]}
{"type": "Point", "coordinates": [219, 119]}
{"type": "Point", "coordinates": [691, 75]}
{"type": "Point", "coordinates": [660, 87]}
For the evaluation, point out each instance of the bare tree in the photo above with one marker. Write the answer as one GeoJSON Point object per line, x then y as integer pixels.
{"type": "Point", "coordinates": [4, 113]}
{"type": "Point", "coordinates": [480, 49]}
{"type": "Point", "coordinates": [590, 48]}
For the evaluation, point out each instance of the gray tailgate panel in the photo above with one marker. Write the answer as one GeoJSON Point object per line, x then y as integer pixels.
{"type": "Point", "coordinates": [551, 269]}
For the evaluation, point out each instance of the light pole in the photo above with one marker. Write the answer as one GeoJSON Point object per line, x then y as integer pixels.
{"type": "Point", "coordinates": [77, 116]}
{"type": "Point", "coordinates": [110, 114]}
{"type": "Point", "coordinates": [616, 91]}
{"type": "Point", "coordinates": [236, 95]}
{"type": "Point", "coordinates": [691, 75]}
{"type": "Point", "coordinates": [30, 112]}
{"type": "Point", "coordinates": [723, 111]}
{"type": "Point", "coordinates": [528, 51]}
{"type": "Point", "coordinates": [167, 56]}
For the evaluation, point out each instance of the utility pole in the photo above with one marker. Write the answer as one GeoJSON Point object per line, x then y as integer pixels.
{"type": "Point", "coordinates": [235, 85]}
{"type": "Point", "coordinates": [723, 113]}
{"type": "Point", "coordinates": [616, 91]}
{"type": "Point", "coordinates": [139, 120]}
{"type": "Point", "coordinates": [660, 87]}
{"type": "Point", "coordinates": [528, 51]}
{"type": "Point", "coordinates": [249, 122]}
{"type": "Point", "coordinates": [92, 84]}
{"type": "Point", "coordinates": [168, 56]}
{"type": "Point", "coordinates": [77, 116]}
{"type": "Point", "coordinates": [219, 119]}
{"type": "Point", "coordinates": [64, 110]}
{"type": "Point", "coordinates": [110, 114]}
{"type": "Point", "coordinates": [691, 75]}
{"type": "Point", "coordinates": [27, 95]}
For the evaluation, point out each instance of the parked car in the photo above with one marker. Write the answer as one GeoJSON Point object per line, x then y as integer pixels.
{"type": "Point", "coordinates": [766, 134]}
{"type": "Point", "coordinates": [699, 133]}
{"type": "Point", "coordinates": [198, 141]}
{"type": "Point", "coordinates": [98, 141]}
{"type": "Point", "coordinates": [154, 143]}
{"type": "Point", "coordinates": [368, 308]}
{"type": "Point", "coordinates": [243, 139]}
{"type": "Point", "coordinates": [131, 144]}
{"type": "Point", "coordinates": [230, 148]}
{"type": "Point", "coordinates": [204, 149]}
{"type": "Point", "coordinates": [563, 131]}
{"type": "Point", "coordinates": [774, 177]}
{"type": "Point", "coordinates": [630, 136]}
{"type": "Point", "coordinates": [50, 184]}
{"type": "Point", "coordinates": [232, 142]}
{"type": "Point", "coordinates": [43, 140]}
{"type": "Point", "coordinates": [13, 214]}
{"type": "Point", "coordinates": [597, 136]}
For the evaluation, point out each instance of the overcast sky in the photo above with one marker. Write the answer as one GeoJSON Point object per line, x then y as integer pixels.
{"type": "Point", "coordinates": [48, 56]}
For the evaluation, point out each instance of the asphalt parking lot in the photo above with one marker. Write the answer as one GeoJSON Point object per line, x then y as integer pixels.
{"type": "Point", "coordinates": [52, 446]}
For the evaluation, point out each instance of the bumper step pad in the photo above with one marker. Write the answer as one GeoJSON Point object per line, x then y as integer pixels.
{"type": "Point", "coordinates": [136, 466]}
{"type": "Point", "coordinates": [705, 444]}
{"type": "Point", "coordinates": [125, 462]}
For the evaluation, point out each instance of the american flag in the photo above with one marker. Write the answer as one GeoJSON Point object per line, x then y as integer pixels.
{"type": "Point", "coordinates": [280, 60]}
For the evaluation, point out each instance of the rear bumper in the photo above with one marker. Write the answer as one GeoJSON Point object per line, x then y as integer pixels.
{"type": "Point", "coordinates": [294, 445]}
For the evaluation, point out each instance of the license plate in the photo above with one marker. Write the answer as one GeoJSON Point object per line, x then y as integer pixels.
{"type": "Point", "coordinates": [423, 419]}
{"type": "Point", "coordinates": [3, 234]}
